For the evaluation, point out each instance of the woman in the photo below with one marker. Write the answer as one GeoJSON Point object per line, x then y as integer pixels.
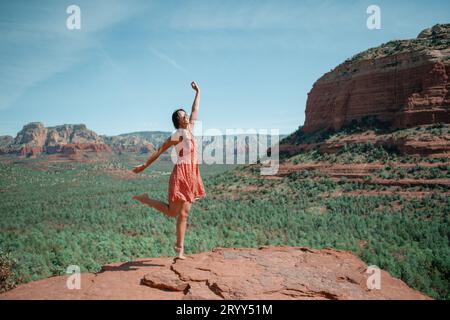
{"type": "Point", "coordinates": [185, 183]}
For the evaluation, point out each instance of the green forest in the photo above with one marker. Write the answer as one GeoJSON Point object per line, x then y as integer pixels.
{"type": "Point", "coordinates": [57, 214]}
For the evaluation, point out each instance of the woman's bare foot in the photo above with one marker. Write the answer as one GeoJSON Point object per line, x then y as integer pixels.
{"type": "Point", "coordinates": [179, 250]}
{"type": "Point", "coordinates": [141, 198]}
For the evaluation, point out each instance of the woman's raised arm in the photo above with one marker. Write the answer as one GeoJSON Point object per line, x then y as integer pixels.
{"type": "Point", "coordinates": [195, 104]}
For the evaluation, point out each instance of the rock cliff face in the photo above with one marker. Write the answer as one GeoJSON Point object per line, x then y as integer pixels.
{"type": "Point", "coordinates": [129, 143]}
{"type": "Point", "coordinates": [283, 273]}
{"type": "Point", "coordinates": [35, 139]}
{"type": "Point", "coordinates": [68, 140]}
{"type": "Point", "coordinates": [5, 141]}
{"type": "Point", "coordinates": [424, 140]}
{"type": "Point", "coordinates": [403, 83]}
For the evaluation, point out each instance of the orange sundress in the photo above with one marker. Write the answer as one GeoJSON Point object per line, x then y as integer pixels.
{"type": "Point", "coordinates": [185, 182]}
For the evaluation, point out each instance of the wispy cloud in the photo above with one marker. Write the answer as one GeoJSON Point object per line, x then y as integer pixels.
{"type": "Point", "coordinates": [166, 59]}
{"type": "Point", "coordinates": [35, 43]}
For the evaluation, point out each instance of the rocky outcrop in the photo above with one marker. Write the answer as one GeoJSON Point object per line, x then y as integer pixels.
{"type": "Point", "coordinates": [35, 139]}
{"type": "Point", "coordinates": [74, 148]}
{"type": "Point", "coordinates": [266, 273]}
{"type": "Point", "coordinates": [5, 141]}
{"type": "Point", "coordinates": [60, 136]}
{"type": "Point", "coordinates": [75, 139]}
{"type": "Point", "coordinates": [422, 142]}
{"type": "Point", "coordinates": [129, 143]}
{"type": "Point", "coordinates": [5, 144]}
{"type": "Point", "coordinates": [403, 83]}
{"type": "Point", "coordinates": [33, 134]}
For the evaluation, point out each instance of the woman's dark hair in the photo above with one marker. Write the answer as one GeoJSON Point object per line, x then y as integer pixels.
{"type": "Point", "coordinates": [176, 119]}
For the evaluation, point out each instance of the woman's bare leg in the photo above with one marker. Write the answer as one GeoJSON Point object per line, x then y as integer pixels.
{"type": "Point", "coordinates": [170, 210]}
{"type": "Point", "coordinates": [181, 227]}
{"type": "Point", "coordinates": [178, 208]}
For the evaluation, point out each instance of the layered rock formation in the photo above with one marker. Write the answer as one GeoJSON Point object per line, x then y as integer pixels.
{"type": "Point", "coordinates": [5, 141]}
{"type": "Point", "coordinates": [265, 273]}
{"type": "Point", "coordinates": [68, 140]}
{"type": "Point", "coordinates": [403, 83]}
{"type": "Point", "coordinates": [35, 139]}
{"type": "Point", "coordinates": [426, 140]}
{"type": "Point", "coordinates": [129, 143]}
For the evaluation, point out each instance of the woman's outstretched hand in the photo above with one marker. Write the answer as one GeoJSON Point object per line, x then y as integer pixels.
{"type": "Point", "coordinates": [195, 86]}
{"type": "Point", "coordinates": [138, 169]}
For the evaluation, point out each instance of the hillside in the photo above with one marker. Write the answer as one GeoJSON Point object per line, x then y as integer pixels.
{"type": "Point", "coordinates": [431, 140]}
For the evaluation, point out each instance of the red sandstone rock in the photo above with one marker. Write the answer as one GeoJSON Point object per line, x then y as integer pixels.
{"type": "Point", "coordinates": [266, 273]}
{"type": "Point", "coordinates": [30, 151]}
{"type": "Point", "coordinates": [34, 139]}
{"type": "Point", "coordinates": [404, 83]}
{"type": "Point", "coordinates": [33, 134]}
{"type": "Point", "coordinates": [74, 148]}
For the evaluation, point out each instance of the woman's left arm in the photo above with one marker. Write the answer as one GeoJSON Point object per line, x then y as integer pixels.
{"type": "Point", "coordinates": [195, 104]}
{"type": "Point", "coordinates": [166, 145]}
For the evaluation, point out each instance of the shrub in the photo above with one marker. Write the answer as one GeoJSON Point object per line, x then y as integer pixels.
{"type": "Point", "coordinates": [7, 263]}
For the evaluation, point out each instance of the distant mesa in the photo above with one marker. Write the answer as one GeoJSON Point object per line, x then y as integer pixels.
{"type": "Point", "coordinates": [68, 140]}
{"type": "Point", "coordinates": [76, 141]}
{"type": "Point", "coordinates": [403, 83]}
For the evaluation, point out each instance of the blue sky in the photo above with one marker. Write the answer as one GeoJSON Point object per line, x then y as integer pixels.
{"type": "Point", "coordinates": [131, 63]}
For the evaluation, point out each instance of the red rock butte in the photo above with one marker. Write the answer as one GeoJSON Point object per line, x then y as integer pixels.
{"type": "Point", "coordinates": [403, 83]}
{"type": "Point", "coordinates": [273, 272]}
{"type": "Point", "coordinates": [69, 140]}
